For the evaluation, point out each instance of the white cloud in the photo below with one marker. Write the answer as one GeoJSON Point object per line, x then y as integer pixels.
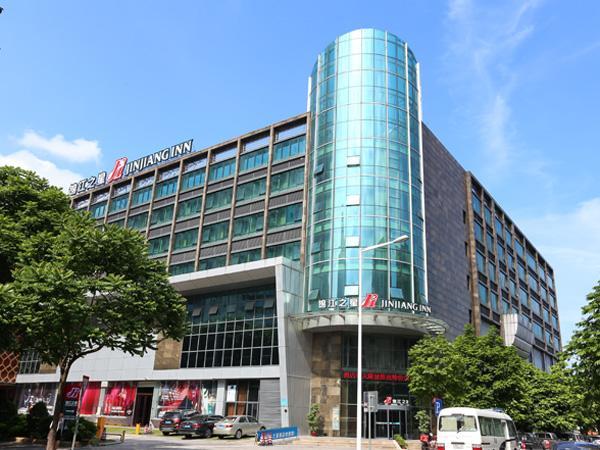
{"type": "Point", "coordinates": [482, 43]}
{"type": "Point", "coordinates": [571, 243]}
{"type": "Point", "coordinates": [47, 169]}
{"type": "Point", "coordinates": [78, 150]}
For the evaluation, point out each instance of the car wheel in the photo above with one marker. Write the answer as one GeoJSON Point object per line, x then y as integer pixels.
{"type": "Point", "coordinates": [165, 433]}
{"type": "Point", "coordinates": [208, 433]}
{"type": "Point", "coordinates": [238, 434]}
{"type": "Point", "coordinates": [221, 437]}
{"type": "Point", "coordinates": [187, 436]}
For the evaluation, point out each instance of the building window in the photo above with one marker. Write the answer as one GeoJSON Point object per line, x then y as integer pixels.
{"type": "Point", "coordinates": [118, 203]}
{"type": "Point", "coordinates": [289, 148]}
{"type": "Point", "coordinates": [488, 215]}
{"type": "Point", "coordinates": [221, 170]}
{"type": "Point", "coordinates": [141, 196]}
{"type": "Point", "coordinates": [531, 261]}
{"type": "Point", "coordinates": [476, 203]}
{"type": "Point", "coordinates": [179, 269]}
{"type": "Point", "coordinates": [500, 251]}
{"type": "Point", "coordinates": [287, 215]}
{"type": "Point", "coordinates": [143, 182]}
{"type": "Point", "coordinates": [158, 245]}
{"type": "Point", "coordinates": [537, 331]}
{"type": "Point", "coordinates": [166, 188]}
{"type": "Point", "coordinates": [215, 232]}
{"type": "Point", "coordinates": [519, 248]}
{"type": "Point", "coordinates": [291, 250]}
{"type": "Point", "coordinates": [232, 329]}
{"type": "Point", "coordinates": [546, 315]}
{"type": "Point", "coordinates": [523, 297]}
{"type": "Point", "coordinates": [161, 215]}
{"type": "Point", "coordinates": [186, 239]}
{"type": "Point", "coordinates": [118, 223]}
{"type": "Point", "coordinates": [490, 241]}
{"type": "Point", "coordinates": [521, 271]}
{"type": "Point", "coordinates": [248, 224]}
{"type": "Point", "coordinates": [494, 300]}
{"type": "Point", "coordinates": [247, 256]}
{"type": "Point", "coordinates": [499, 227]}
{"type": "Point", "coordinates": [502, 279]}
{"type": "Point", "coordinates": [492, 272]}
{"type": "Point", "coordinates": [192, 180]}
{"type": "Point", "coordinates": [483, 297]}
{"type": "Point", "coordinates": [287, 180]}
{"type": "Point", "coordinates": [211, 263]}
{"type": "Point", "coordinates": [244, 394]}
{"type": "Point", "coordinates": [189, 208]}
{"type": "Point", "coordinates": [138, 222]}
{"type": "Point", "coordinates": [478, 230]}
{"type": "Point", "coordinates": [29, 362]}
{"type": "Point", "coordinates": [533, 284]}
{"type": "Point", "coordinates": [555, 321]}
{"type": "Point", "coordinates": [505, 307]}
{"type": "Point", "coordinates": [536, 307]}
{"type": "Point", "coordinates": [254, 160]}
{"type": "Point", "coordinates": [219, 199]}
{"type": "Point", "coordinates": [480, 262]}
{"type": "Point", "coordinates": [252, 190]}
{"type": "Point", "coordinates": [513, 288]}
{"type": "Point", "coordinates": [98, 210]}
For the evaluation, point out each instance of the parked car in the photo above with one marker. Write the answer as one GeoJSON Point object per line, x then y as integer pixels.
{"type": "Point", "coordinates": [572, 436]}
{"type": "Point", "coordinates": [237, 426]}
{"type": "Point", "coordinates": [171, 421]}
{"type": "Point", "coordinates": [199, 426]}
{"type": "Point", "coordinates": [547, 439]}
{"type": "Point", "coordinates": [574, 445]}
{"type": "Point", "coordinates": [529, 441]}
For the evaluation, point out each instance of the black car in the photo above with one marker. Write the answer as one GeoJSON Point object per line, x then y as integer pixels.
{"type": "Point", "coordinates": [199, 426]}
{"type": "Point", "coordinates": [172, 420]}
{"type": "Point", "coordinates": [529, 441]}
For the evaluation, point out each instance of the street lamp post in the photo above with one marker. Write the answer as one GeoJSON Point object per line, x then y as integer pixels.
{"type": "Point", "coordinates": [359, 361]}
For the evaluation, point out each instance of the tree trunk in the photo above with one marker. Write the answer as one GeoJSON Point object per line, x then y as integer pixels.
{"type": "Point", "coordinates": [52, 443]}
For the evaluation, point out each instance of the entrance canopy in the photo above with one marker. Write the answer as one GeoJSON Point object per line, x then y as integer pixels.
{"type": "Point", "coordinates": [380, 321]}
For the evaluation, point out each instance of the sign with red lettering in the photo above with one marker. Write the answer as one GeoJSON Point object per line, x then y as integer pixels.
{"type": "Point", "coordinates": [370, 301]}
{"type": "Point", "coordinates": [117, 171]}
{"type": "Point", "coordinates": [388, 400]}
{"type": "Point", "coordinates": [375, 376]}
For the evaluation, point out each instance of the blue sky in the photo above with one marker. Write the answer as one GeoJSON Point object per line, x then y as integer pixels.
{"type": "Point", "coordinates": [511, 88]}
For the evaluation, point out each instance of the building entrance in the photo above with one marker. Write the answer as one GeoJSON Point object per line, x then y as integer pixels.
{"type": "Point", "coordinates": [143, 406]}
{"type": "Point", "coordinates": [390, 420]}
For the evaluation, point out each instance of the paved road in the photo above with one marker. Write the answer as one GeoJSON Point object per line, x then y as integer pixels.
{"type": "Point", "coordinates": [148, 442]}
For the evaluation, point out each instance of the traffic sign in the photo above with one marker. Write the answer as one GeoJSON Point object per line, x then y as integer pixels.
{"type": "Point", "coordinates": [438, 405]}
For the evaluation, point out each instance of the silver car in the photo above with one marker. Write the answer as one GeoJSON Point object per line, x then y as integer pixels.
{"type": "Point", "coordinates": [237, 426]}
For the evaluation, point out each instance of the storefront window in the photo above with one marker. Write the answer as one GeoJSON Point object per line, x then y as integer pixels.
{"type": "Point", "coordinates": [200, 396]}
{"type": "Point", "coordinates": [119, 399]}
{"type": "Point", "coordinates": [31, 394]}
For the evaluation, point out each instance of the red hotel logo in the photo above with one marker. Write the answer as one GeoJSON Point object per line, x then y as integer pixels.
{"type": "Point", "coordinates": [117, 171]}
{"type": "Point", "coordinates": [374, 376]}
{"type": "Point", "coordinates": [370, 301]}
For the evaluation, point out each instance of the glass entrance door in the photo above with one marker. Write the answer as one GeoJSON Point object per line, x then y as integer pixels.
{"type": "Point", "coordinates": [389, 421]}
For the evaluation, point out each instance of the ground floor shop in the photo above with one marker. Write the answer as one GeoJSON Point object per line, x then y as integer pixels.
{"type": "Point", "coordinates": [132, 402]}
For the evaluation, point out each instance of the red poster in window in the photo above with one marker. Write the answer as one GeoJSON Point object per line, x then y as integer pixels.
{"type": "Point", "coordinates": [119, 399]}
{"type": "Point", "coordinates": [89, 402]}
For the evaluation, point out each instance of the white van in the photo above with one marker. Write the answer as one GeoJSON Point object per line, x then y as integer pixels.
{"type": "Point", "coordinates": [475, 429]}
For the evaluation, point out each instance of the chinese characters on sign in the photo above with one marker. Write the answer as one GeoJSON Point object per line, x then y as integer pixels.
{"type": "Point", "coordinates": [374, 376]}
{"type": "Point", "coordinates": [379, 303]}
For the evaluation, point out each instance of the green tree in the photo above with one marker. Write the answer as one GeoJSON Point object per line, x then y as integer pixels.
{"type": "Point", "coordinates": [28, 206]}
{"type": "Point", "coordinates": [433, 368]}
{"type": "Point", "coordinates": [558, 399]}
{"type": "Point", "coordinates": [494, 374]}
{"type": "Point", "coordinates": [584, 353]}
{"type": "Point", "coordinates": [84, 289]}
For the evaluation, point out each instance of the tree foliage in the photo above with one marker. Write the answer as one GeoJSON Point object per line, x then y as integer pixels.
{"type": "Point", "coordinates": [481, 372]}
{"type": "Point", "coordinates": [75, 288]}
{"type": "Point", "coordinates": [28, 206]}
{"type": "Point", "coordinates": [584, 353]}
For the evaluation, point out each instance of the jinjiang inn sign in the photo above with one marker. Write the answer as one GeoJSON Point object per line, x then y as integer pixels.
{"type": "Point", "coordinates": [123, 168]}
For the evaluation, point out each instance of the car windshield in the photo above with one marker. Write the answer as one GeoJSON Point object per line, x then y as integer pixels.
{"type": "Point", "coordinates": [458, 422]}
{"type": "Point", "coordinates": [230, 418]}
{"type": "Point", "coordinates": [171, 414]}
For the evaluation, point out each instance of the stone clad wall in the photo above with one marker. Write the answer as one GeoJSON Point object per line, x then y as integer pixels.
{"type": "Point", "coordinates": [325, 387]}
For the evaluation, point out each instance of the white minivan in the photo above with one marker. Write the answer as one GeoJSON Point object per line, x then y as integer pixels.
{"type": "Point", "coordinates": [475, 429]}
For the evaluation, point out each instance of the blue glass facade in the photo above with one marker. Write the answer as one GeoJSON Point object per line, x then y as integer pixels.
{"type": "Point", "coordinates": [365, 174]}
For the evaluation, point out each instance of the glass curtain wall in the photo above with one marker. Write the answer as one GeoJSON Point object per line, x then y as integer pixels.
{"type": "Point", "coordinates": [365, 181]}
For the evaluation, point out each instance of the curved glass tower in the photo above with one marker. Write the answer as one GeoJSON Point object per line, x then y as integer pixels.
{"type": "Point", "coordinates": [365, 180]}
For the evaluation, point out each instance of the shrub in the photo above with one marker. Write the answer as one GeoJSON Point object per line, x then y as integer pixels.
{"type": "Point", "coordinates": [400, 440]}
{"type": "Point", "coordinates": [8, 419]}
{"type": "Point", "coordinates": [85, 432]}
{"type": "Point", "coordinates": [423, 421]}
{"type": "Point", "coordinates": [38, 421]}
{"type": "Point", "coordinates": [314, 419]}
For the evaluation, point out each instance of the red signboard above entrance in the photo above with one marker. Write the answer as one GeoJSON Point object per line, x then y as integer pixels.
{"type": "Point", "coordinates": [375, 376]}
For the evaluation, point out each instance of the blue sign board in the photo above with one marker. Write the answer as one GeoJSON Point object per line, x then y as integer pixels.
{"type": "Point", "coordinates": [276, 434]}
{"type": "Point", "coordinates": [438, 404]}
